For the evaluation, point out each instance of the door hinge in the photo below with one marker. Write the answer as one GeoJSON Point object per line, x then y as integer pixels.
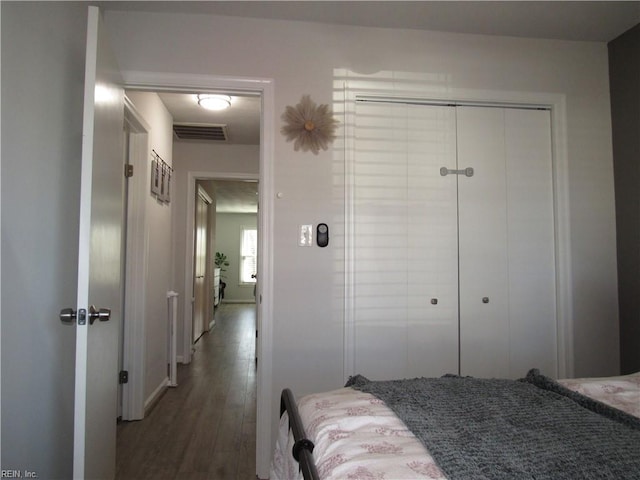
{"type": "Point", "coordinates": [123, 376]}
{"type": "Point", "coordinates": [128, 170]}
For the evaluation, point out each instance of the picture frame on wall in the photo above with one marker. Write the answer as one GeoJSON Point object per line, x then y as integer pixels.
{"type": "Point", "coordinates": [165, 176]}
{"type": "Point", "coordinates": [155, 177]}
{"type": "Point", "coordinates": [167, 190]}
{"type": "Point", "coordinates": [161, 173]}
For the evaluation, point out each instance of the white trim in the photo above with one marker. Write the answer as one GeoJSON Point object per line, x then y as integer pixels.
{"type": "Point", "coordinates": [265, 88]}
{"type": "Point", "coordinates": [188, 343]}
{"type": "Point", "coordinates": [564, 276]}
{"type": "Point", "coordinates": [134, 346]}
{"type": "Point", "coordinates": [192, 178]}
{"type": "Point", "coordinates": [266, 407]}
{"type": "Point", "coordinates": [349, 339]}
{"type": "Point", "coordinates": [134, 118]}
{"type": "Point", "coordinates": [156, 394]}
{"type": "Point", "coordinates": [354, 89]}
{"type": "Point", "coordinates": [203, 193]}
{"type": "Point", "coordinates": [163, 81]}
{"type": "Point", "coordinates": [448, 103]}
{"type": "Point", "coordinates": [172, 304]}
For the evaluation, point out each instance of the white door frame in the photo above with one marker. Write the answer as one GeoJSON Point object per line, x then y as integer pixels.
{"type": "Point", "coordinates": [191, 293]}
{"type": "Point", "coordinates": [192, 178]}
{"type": "Point", "coordinates": [136, 267]}
{"type": "Point", "coordinates": [425, 93]}
{"type": "Point", "coordinates": [162, 81]}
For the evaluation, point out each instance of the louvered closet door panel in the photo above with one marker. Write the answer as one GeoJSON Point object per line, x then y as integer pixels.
{"type": "Point", "coordinates": [432, 289]}
{"type": "Point", "coordinates": [405, 242]}
{"type": "Point", "coordinates": [532, 287]}
{"type": "Point", "coordinates": [380, 240]}
{"type": "Point", "coordinates": [484, 322]}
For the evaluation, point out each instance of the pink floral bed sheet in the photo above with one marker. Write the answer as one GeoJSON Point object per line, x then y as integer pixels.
{"type": "Point", "coordinates": [357, 437]}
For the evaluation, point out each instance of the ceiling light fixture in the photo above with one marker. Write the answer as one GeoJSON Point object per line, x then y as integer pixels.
{"type": "Point", "coordinates": [214, 102]}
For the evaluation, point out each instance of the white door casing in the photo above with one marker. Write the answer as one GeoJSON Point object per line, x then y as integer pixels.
{"type": "Point", "coordinates": [99, 250]}
{"type": "Point", "coordinates": [159, 81]}
{"type": "Point", "coordinates": [136, 266]}
{"type": "Point", "coordinates": [201, 296]}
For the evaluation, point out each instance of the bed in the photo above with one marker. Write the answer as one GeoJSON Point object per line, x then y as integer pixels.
{"type": "Point", "coordinates": [463, 428]}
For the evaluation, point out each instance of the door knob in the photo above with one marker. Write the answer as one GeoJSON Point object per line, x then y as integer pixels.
{"type": "Point", "coordinates": [102, 314]}
{"type": "Point", "coordinates": [68, 316]}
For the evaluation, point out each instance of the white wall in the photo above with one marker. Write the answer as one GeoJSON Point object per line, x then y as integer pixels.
{"type": "Point", "coordinates": [43, 64]}
{"type": "Point", "coordinates": [207, 161]}
{"type": "Point", "coordinates": [158, 251]}
{"type": "Point", "coordinates": [302, 58]}
{"type": "Point", "coordinates": [228, 233]}
{"type": "Point", "coordinates": [42, 97]}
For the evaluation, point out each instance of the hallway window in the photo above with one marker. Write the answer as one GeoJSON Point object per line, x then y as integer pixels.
{"type": "Point", "coordinates": [248, 255]}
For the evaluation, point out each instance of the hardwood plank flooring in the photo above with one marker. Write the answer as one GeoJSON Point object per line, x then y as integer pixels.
{"type": "Point", "coordinates": [205, 429]}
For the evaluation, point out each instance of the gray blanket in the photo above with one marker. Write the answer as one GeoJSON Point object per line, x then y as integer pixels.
{"type": "Point", "coordinates": [504, 429]}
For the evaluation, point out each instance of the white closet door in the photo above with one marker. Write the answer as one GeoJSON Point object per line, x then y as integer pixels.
{"type": "Point", "coordinates": [432, 289]}
{"type": "Point", "coordinates": [452, 273]}
{"type": "Point", "coordinates": [404, 241]}
{"type": "Point", "coordinates": [507, 260]}
{"type": "Point", "coordinates": [380, 240]}
{"type": "Point", "coordinates": [484, 320]}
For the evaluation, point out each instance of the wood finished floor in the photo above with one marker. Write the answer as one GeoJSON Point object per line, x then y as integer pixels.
{"type": "Point", "coordinates": [205, 429]}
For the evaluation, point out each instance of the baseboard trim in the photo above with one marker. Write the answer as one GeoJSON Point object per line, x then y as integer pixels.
{"type": "Point", "coordinates": [248, 300]}
{"type": "Point", "coordinates": [155, 397]}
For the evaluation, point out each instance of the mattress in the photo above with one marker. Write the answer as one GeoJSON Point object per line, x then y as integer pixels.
{"type": "Point", "coordinates": [357, 437]}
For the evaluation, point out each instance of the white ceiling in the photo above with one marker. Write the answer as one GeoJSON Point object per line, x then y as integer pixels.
{"type": "Point", "coordinates": [236, 196]}
{"type": "Point", "coordinates": [242, 118]}
{"type": "Point", "coordinates": [599, 21]}
{"type": "Point", "coordinates": [570, 20]}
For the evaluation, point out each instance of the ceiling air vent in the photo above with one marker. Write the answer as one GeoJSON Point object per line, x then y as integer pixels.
{"type": "Point", "coordinates": [195, 131]}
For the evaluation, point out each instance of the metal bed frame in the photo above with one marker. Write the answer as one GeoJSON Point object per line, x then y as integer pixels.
{"type": "Point", "coordinates": [302, 446]}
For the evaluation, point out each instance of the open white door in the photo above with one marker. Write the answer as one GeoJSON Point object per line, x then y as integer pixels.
{"type": "Point", "coordinates": [99, 276]}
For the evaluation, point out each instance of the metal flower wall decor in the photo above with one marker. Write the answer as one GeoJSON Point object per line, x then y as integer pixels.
{"type": "Point", "coordinates": [310, 126]}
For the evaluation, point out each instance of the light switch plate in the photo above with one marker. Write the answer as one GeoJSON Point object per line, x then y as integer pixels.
{"type": "Point", "coordinates": [305, 238]}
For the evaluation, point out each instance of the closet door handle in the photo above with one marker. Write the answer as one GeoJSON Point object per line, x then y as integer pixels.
{"type": "Point", "coordinates": [468, 172]}
{"type": "Point", "coordinates": [485, 299]}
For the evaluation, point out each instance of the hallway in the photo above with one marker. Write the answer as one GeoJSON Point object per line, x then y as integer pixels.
{"type": "Point", "coordinates": [206, 427]}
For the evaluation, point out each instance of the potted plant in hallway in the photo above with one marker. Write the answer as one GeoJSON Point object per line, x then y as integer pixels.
{"type": "Point", "coordinates": [221, 262]}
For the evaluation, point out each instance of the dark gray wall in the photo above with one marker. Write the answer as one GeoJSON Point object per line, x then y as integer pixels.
{"type": "Point", "coordinates": [42, 97]}
{"type": "Point", "coordinates": [624, 73]}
